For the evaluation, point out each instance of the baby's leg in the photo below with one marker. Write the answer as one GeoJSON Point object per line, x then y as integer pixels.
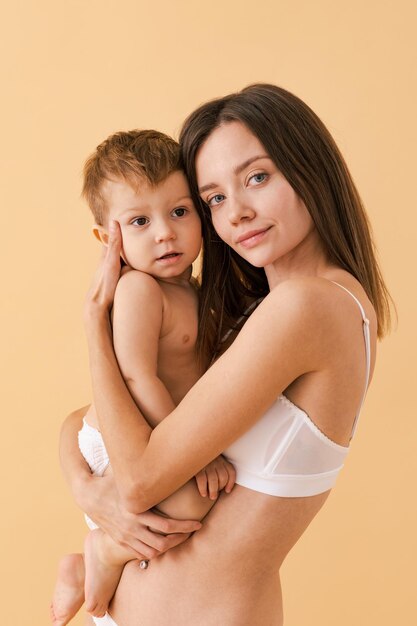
{"type": "Point", "coordinates": [104, 563]}
{"type": "Point", "coordinates": [69, 589]}
{"type": "Point", "coordinates": [186, 503]}
{"type": "Point", "coordinates": [103, 558]}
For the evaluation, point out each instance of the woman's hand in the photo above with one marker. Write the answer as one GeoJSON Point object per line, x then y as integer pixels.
{"type": "Point", "coordinates": [217, 475]}
{"type": "Point", "coordinates": [101, 293]}
{"type": "Point", "coordinates": [131, 530]}
{"type": "Point", "coordinates": [99, 498]}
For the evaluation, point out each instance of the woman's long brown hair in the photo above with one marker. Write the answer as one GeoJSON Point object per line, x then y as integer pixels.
{"type": "Point", "coordinates": [306, 154]}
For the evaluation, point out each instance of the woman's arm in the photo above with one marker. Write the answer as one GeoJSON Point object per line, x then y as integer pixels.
{"type": "Point", "coordinates": [99, 498]}
{"type": "Point", "coordinates": [137, 325]}
{"type": "Point", "coordinates": [287, 336]}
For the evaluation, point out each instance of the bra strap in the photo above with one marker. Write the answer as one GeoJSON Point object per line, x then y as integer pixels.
{"type": "Point", "coordinates": [245, 314]}
{"type": "Point", "coordinates": [367, 338]}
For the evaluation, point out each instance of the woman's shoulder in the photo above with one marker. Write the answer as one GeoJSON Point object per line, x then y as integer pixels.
{"type": "Point", "coordinates": [314, 305]}
{"type": "Point", "coordinates": [317, 295]}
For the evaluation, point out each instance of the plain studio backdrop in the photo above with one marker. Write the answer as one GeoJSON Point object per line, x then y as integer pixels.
{"type": "Point", "coordinates": [75, 71]}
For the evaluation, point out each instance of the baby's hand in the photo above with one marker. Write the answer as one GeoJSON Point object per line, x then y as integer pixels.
{"type": "Point", "coordinates": [217, 475]}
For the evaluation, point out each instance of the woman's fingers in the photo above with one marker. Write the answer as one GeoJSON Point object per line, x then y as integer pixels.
{"type": "Point", "coordinates": [114, 246]}
{"type": "Point", "coordinates": [153, 544]}
{"type": "Point", "coordinates": [140, 550]}
{"type": "Point", "coordinates": [166, 525]}
{"type": "Point", "coordinates": [150, 534]}
{"type": "Point", "coordinates": [112, 264]}
{"type": "Point", "coordinates": [174, 540]}
{"type": "Point", "coordinates": [103, 286]}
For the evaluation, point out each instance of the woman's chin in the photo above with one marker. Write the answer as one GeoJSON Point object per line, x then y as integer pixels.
{"type": "Point", "coordinates": [257, 259]}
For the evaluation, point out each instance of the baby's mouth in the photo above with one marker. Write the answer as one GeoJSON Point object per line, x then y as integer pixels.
{"type": "Point", "coordinates": [169, 255]}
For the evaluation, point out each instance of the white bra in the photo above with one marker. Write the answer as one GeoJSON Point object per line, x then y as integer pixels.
{"type": "Point", "coordinates": [284, 453]}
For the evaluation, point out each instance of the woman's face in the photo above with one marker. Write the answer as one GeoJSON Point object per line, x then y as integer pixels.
{"type": "Point", "coordinates": [253, 207]}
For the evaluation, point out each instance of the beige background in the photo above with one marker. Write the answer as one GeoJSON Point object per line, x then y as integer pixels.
{"type": "Point", "coordinates": [74, 71]}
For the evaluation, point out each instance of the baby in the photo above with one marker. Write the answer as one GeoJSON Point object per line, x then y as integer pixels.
{"type": "Point", "coordinates": [135, 178]}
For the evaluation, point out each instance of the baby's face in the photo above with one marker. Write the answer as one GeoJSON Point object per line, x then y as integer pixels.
{"type": "Point", "coordinates": [160, 226]}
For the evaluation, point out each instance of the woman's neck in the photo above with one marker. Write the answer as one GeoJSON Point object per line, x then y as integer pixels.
{"type": "Point", "coordinates": [308, 259]}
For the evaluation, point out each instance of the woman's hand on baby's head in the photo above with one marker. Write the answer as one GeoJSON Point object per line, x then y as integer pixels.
{"type": "Point", "coordinates": [217, 475]}
{"type": "Point", "coordinates": [100, 296]}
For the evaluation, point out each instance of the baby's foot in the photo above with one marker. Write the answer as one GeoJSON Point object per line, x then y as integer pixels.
{"type": "Point", "coordinates": [69, 589]}
{"type": "Point", "coordinates": [103, 568]}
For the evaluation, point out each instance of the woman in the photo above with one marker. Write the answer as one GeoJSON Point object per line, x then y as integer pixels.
{"type": "Point", "coordinates": [282, 401]}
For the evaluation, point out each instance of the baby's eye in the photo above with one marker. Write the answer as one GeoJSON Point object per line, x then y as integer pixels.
{"type": "Point", "coordinates": [258, 178]}
{"type": "Point", "coordinates": [179, 212]}
{"type": "Point", "coordinates": [140, 221]}
{"type": "Point", "coordinates": [214, 200]}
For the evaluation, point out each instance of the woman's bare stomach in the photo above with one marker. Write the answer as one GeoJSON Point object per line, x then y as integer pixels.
{"type": "Point", "coordinates": [226, 574]}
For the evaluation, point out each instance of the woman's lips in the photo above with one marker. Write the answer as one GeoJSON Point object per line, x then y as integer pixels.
{"type": "Point", "coordinates": [252, 237]}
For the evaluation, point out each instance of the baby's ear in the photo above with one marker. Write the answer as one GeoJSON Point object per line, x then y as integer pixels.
{"type": "Point", "coordinates": [101, 234]}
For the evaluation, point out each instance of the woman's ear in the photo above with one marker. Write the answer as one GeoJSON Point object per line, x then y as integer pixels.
{"type": "Point", "coordinates": [101, 234]}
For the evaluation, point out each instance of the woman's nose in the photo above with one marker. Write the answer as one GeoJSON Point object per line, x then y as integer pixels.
{"type": "Point", "coordinates": [239, 210]}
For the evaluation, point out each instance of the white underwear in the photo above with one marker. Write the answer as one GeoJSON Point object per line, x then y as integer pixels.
{"type": "Point", "coordinates": [104, 621]}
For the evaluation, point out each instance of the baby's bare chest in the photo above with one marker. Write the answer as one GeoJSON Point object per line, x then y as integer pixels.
{"type": "Point", "coordinates": [177, 357]}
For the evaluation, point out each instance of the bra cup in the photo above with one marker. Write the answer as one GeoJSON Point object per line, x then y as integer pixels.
{"type": "Point", "coordinates": [307, 455]}
{"type": "Point", "coordinates": [253, 448]}
{"type": "Point", "coordinates": [285, 453]}
{"type": "Point", "coordinates": [285, 442]}
{"type": "Point", "coordinates": [286, 430]}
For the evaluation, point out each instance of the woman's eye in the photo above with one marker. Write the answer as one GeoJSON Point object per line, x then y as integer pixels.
{"type": "Point", "coordinates": [180, 212]}
{"type": "Point", "coordinates": [219, 197]}
{"type": "Point", "coordinates": [140, 221]}
{"type": "Point", "coordinates": [258, 178]}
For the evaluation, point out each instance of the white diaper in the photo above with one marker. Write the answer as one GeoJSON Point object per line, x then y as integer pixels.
{"type": "Point", "coordinates": [94, 451]}
{"type": "Point", "coordinates": [104, 621]}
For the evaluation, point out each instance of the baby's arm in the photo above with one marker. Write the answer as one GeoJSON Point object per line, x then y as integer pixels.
{"type": "Point", "coordinates": [137, 322]}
